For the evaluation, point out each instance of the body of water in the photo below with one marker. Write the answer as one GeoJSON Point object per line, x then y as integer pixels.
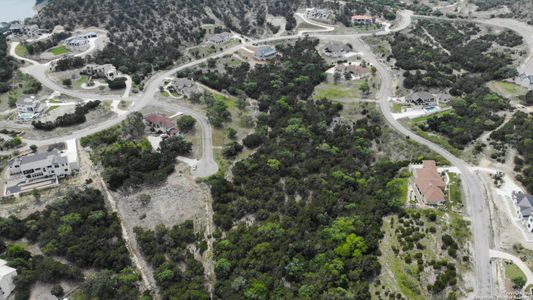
{"type": "Point", "coordinates": [11, 10]}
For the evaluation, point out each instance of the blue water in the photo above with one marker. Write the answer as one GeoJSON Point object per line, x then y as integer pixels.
{"type": "Point", "coordinates": [11, 10]}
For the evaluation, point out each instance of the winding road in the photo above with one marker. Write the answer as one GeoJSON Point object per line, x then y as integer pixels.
{"type": "Point", "coordinates": [474, 191]}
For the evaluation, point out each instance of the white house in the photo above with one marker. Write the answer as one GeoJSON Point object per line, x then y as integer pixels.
{"type": "Point", "coordinates": [524, 208]}
{"type": "Point", "coordinates": [7, 274]}
{"type": "Point", "coordinates": [107, 71]}
{"type": "Point", "coordinates": [28, 108]}
{"type": "Point", "coordinates": [317, 13]}
{"type": "Point", "coordinates": [53, 163]}
{"type": "Point", "coordinates": [77, 43]}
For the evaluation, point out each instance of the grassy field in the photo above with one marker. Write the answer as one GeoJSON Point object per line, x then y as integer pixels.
{"type": "Point", "coordinates": [337, 91]}
{"type": "Point", "coordinates": [507, 89]}
{"type": "Point", "coordinates": [52, 107]}
{"type": "Point", "coordinates": [455, 196]}
{"type": "Point", "coordinates": [396, 107]}
{"type": "Point", "coordinates": [78, 82]}
{"type": "Point", "coordinates": [21, 50]}
{"type": "Point", "coordinates": [437, 139]}
{"type": "Point", "coordinates": [512, 272]}
{"type": "Point", "coordinates": [59, 50]}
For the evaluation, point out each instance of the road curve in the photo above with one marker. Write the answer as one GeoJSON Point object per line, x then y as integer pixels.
{"type": "Point", "coordinates": [473, 189]}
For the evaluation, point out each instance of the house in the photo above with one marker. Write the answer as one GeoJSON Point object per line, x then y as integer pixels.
{"type": "Point", "coordinates": [524, 208]}
{"type": "Point", "coordinates": [7, 275]}
{"type": "Point", "coordinates": [355, 71]}
{"type": "Point", "coordinates": [526, 80]}
{"type": "Point", "coordinates": [184, 86]}
{"type": "Point", "coordinates": [161, 124]}
{"type": "Point", "coordinates": [77, 43]}
{"type": "Point", "coordinates": [265, 52]}
{"type": "Point", "coordinates": [318, 13]}
{"type": "Point", "coordinates": [106, 71]}
{"type": "Point", "coordinates": [362, 20]}
{"type": "Point", "coordinates": [336, 49]}
{"type": "Point", "coordinates": [428, 185]}
{"type": "Point", "coordinates": [421, 98]}
{"type": "Point", "coordinates": [219, 38]}
{"type": "Point", "coordinates": [41, 165]}
{"type": "Point", "coordinates": [21, 29]}
{"type": "Point", "coordinates": [28, 108]}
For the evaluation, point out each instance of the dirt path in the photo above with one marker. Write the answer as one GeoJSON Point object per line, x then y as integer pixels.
{"type": "Point", "coordinates": [435, 41]}
{"type": "Point", "coordinates": [207, 258]}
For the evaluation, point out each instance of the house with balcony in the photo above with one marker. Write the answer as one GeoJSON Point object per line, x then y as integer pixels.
{"type": "Point", "coordinates": [29, 108]}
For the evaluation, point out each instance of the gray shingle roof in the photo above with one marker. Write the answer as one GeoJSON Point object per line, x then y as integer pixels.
{"type": "Point", "coordinates": [265, 51]}
{"type": "Point", "coordinates": [525, 203]}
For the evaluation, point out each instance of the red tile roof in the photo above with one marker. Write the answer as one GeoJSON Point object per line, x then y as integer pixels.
{"type": "Point", "coordinates": [161, 120]}
{"type": "Point", "coordinates": [429, 182]}
{"type": "Point", "coordinates": [361, 17]}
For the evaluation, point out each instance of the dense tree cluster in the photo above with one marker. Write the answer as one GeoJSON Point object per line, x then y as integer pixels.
{"type": "Point", "coordinates": [149, 35]}
{"type": "Point", "coordinates": [7, 65]}
{"type": "Point", "coordinates": [68, 63]}
{"type": "Point", "coordinates": [68, 119]}
{"type": "Point", "coordinates": [313, 188]}
{"type": "Point", "coordinates": [518, 132]}
{"type": "Point", "coordinates": [471, 116]}
{"type": "Point", "coordinates": [295, 74]}
{"type": "Point", "coordinates": [78, 228]}
{"type": "Point", "coordinates": [128, 158]}
{"type": "Point", "coordinates": [178, 274]}
{"type": "Point", "coordinates": [434, 67]}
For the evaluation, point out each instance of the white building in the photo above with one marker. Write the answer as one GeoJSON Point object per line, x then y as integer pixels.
{"type": "Point", "coordinates": [53, 163]}
{"type": "Point", "coordinates": [107, 71]}
{"type": "Point", "coordinates": [524, 208]}
{"type": "Point", "coordinates": [7, 274]}
{"type": "Point", "coordinates": [317, 13]}
{"type": "Point", "coordinates": [28, 108]}
{"type": "Point", "coordinates": [77, 44]}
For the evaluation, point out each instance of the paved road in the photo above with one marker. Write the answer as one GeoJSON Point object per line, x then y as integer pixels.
{"type": "Point", "coordinates": [474, 191]}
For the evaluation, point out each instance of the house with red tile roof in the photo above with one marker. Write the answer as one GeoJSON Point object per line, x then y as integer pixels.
{"type": "Point", "coordinates": [428, 185]}
{"type": "Point", "coordinates": [160, 123]}
{"type": "Point", "coordinates": [362, 20]}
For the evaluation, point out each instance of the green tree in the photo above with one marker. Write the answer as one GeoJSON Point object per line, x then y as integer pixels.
{"type": "Point", "coordinates": [67, 82]}
{"type": "Point", "coordinates": [185, 123]}
{"type": "Point", "coordinates": [133, 126]}
{"type": "Point", "coordinates": [364, 88]}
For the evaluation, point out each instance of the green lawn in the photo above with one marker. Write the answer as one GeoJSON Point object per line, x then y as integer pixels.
{"type": "Point", "coordinates": [437, 139]}
{"type": "Point", "coordinates": [454, 190]}
{"type": "Point", "coordinates": [337, 91]}
{"type": "Point", "coordinates": [507, 89]}
{"type": "Point", "coordinates": [512, 271]}
{"type": "Point", "coordinates": [78, 82]}
{"type": "Point", "coordinates": [52, 107]}
{"type": "Point", "coordinates": [230, 103]}
{"type": "Point", "coordinates": [21, 50]}
{"type": "Point", "coordinates": [396, 107]}
{"type": "Point", "coordinates": [59, 50]}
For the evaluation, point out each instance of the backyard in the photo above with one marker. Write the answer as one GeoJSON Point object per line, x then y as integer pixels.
{"type": "Point", "coordinates": [59, 50]}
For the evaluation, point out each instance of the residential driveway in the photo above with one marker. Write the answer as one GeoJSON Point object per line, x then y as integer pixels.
{"type": "Point", "coordinates": [517, 261]}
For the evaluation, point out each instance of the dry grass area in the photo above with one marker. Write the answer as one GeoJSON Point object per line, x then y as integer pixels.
{"type": "Point", "coordinates": [179, 199]}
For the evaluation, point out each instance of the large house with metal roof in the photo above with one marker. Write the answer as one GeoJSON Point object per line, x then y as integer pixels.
{"type": "Point", "coordinates": [265, 52]}
{"type": "Point", "coordinates": [46, 164]}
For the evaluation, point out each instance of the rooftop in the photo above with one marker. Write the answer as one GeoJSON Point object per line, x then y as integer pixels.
{"type": "Point", "coordinates": [160, 120]}
{"type": "Point", "coordinates": [429, 182]}
{"type": "Point", "coordinates": [265, 51]}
